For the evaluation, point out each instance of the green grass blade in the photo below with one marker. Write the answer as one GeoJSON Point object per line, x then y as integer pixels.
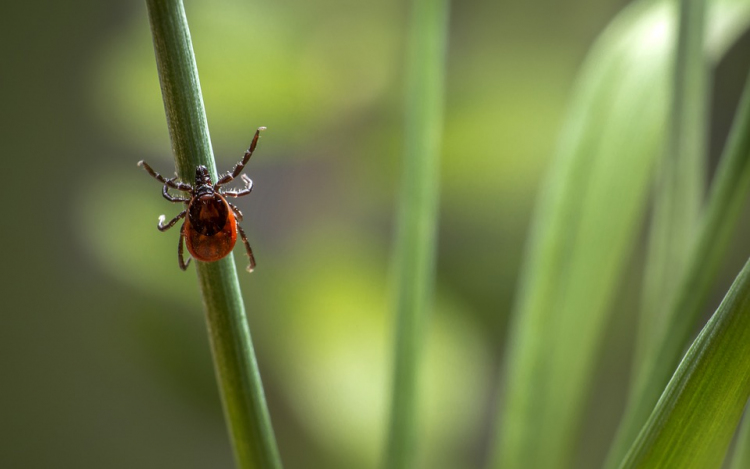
{"type": "Point", "coordinates": [580, 242]}
{"type": "Point", "coordinates": [416, 237]}
{"type": "Point", "coordinates": [680, 180]}
{"type": "Point", "coordinates": [727, 196]}
{"type": "Point", "coordinates": [236, 368]}
{"type": "Point", "coordinates": [741, 456]}
{"type": "Point", "coordinates": [697, 415]}
{"type": "Point", "coordinates": [586, 223]}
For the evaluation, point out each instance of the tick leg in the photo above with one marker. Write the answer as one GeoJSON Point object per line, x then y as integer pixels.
{"type": "Point", "coordinates": [183, 265]}
{"type": "Point", "coordinates": [241, 165]}
{"type": "Point", "coordinates": [236, 211]}
{"type": "Point", "coordinates": [249, 250]}
{"type": "Point", "coordinates": [170, 197]}
{"type": "Point", "coordinates": [180, 186]}
{"type": "Point", "coordinates": [239, 193]}
{"type": "Point", "coordinates": [163, 227]}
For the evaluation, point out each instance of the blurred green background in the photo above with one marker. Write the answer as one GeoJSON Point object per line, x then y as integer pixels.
{"type": "Point", "coordinates": [104, 359]}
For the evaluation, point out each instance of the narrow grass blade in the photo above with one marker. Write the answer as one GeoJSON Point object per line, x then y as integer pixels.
{"type": "Point", "coordinates": [678, 192]}
{"type": "Point", "coordinates": [680, 180]}
{"type": "Point", "coordinates": [236, 368]}
{"type": "Point", "coordinates": [416, 237]}
{"type": "Point", "coordinates": [741, 456]}
{"type": "Point", "coordinates": [697, 415]}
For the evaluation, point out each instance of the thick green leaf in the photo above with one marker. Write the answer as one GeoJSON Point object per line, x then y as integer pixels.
{"type": "Point", "coordinates": [696, 417]}
{"type": "Point", "coordinates": [585, 224]}
{"type": "Point", "coordinates": [587, 221]}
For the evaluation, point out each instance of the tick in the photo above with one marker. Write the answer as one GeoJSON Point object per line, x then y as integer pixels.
{"type": "Point", "coordinates": [211, 221]}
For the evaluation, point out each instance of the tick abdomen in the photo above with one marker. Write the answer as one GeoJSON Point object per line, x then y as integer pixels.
{"type": "Point", "coordinates": [210, 231]}
{"type": "Point", "coordinates": [208, 214]}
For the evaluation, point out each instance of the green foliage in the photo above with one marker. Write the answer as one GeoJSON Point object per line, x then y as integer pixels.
{"type": "Point", "coordinates": [588, 220]}
{"type": "Point", "coordinates": [726, 198]}
{"type": "Point", "coordinates": [611, 150]}
{"type": "Point", "coordinates": [697, 415]}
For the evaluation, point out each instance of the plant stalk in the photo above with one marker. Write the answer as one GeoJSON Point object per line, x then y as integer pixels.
{"type": "Point", "coordinates": [240, 387]}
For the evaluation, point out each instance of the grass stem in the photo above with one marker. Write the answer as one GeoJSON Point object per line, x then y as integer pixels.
{"type": "Point", "coordinates": [416, 237]}
{"type": "Point", "coordinates": [237, 372]}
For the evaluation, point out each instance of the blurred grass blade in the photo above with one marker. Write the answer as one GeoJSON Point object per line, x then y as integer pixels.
{"type": "Point", "coordinates": [727, 196]}
{"type": "Point", "coordinates": [416, 237]}
{"type": "Point", "coordinates": [240, 387]}
{"type": "Point", "coordinates": [697, 415]}
{"type": "Point", "coordinates": [680, 177]}
{"type": "Point", "coordinates": [584, 227]}
{"type": "Point", "coordinates": [741, 456]}
{"type": "Point", "coordinates": [586, 223]}
{"type": "Point", "coordinates": [678, 192]}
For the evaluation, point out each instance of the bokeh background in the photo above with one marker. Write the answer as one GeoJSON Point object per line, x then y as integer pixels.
{"type": "Point", "coordinates": [104, 359]}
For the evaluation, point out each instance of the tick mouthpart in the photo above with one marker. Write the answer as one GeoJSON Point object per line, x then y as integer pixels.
{"type": "Point", "coordinates": [201, 176]}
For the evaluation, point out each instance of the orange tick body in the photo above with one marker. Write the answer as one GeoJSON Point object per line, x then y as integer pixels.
{"type": "Point", "coordinates": [211, 222]}
{"type": "Point", "coordinates": [210, 229]}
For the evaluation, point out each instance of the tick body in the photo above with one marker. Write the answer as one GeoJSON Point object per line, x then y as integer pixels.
{"type": "Point", "coordinates": [211, 222]}
{"type": "Point", "coordinates": [210, 228]}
